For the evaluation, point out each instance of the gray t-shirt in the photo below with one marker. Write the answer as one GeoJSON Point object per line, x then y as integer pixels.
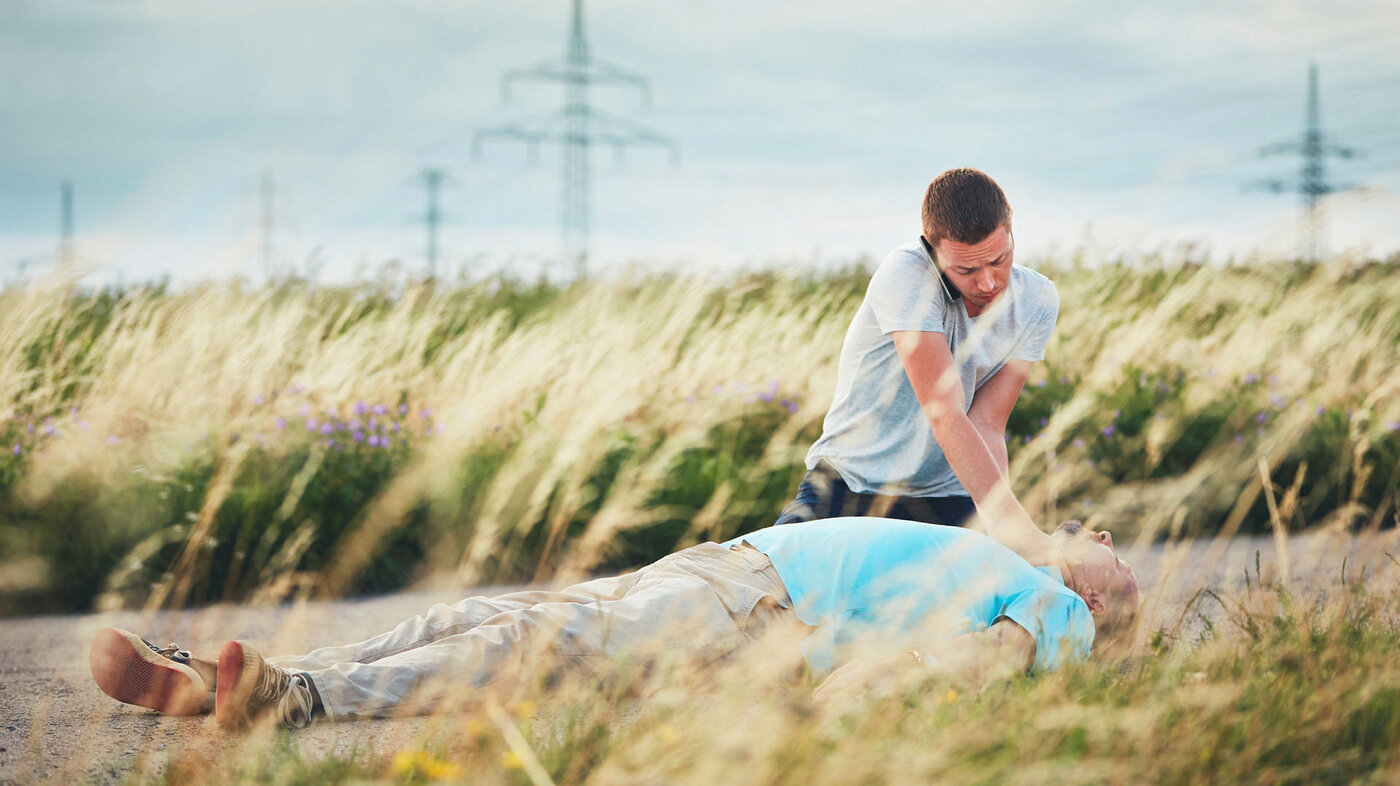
{"type": "Point", "coordinates": [875, 433]}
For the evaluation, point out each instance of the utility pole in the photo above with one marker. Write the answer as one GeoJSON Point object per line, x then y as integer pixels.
{"type": "Point", "coordinates": [577, 127]}
{"type": "Point", "coordinates": [265, 193]}
{"type": "Point", "coordinates": [1312, 181]}
{"type": "Point", "coordinates": [65, 239]}
{"type": "Point", "coordinates": [432, 178]}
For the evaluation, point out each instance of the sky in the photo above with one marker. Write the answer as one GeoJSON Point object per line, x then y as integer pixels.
{"type": "Point", "coordinates": [807, 130]}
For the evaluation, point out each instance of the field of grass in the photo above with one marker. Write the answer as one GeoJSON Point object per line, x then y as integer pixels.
{"type": "Point", "coordinates": [164, 449]}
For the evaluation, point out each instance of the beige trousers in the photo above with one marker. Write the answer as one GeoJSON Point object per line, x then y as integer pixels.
{"type": "Point", "coordinates": [701, 602]}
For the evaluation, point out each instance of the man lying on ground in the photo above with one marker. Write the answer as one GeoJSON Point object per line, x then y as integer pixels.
{"type": "Point", "coordinates": [874, 597]}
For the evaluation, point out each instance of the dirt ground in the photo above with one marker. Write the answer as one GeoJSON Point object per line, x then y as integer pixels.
{"type": "Point", "coordinates": [55, 725]}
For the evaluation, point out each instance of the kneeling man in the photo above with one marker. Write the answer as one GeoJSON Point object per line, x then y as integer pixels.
{"type": "Point", "coordinates": [872, 594]}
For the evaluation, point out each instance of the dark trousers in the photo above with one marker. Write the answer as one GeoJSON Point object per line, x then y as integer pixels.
{"type": "Point", "coordinates": [824, 495]}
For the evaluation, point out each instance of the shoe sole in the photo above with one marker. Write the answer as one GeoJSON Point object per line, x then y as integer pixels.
{"type": "Point", "coordinates": [128, 671]}
{"type": "Point", "coordinates": [238, 667]}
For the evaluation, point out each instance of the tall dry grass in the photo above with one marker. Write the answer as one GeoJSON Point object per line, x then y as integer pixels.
{"type": "Point", "coordinates": [545, 434]}
{"type": "Point", "coordinates": [548, 433]}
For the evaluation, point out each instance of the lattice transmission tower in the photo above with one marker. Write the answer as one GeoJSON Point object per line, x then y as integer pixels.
{"type": "Point", "coordinates": [1312, 183]}
{"type": "Point", "coordinates": [577, 127]}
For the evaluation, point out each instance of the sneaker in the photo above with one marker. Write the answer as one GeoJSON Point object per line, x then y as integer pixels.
{"type": "Point", "coordinates": [134, 671]}
{"type": "Point", "coordinates": [249, 688]}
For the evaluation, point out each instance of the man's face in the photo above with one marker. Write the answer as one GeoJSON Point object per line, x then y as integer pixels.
{"type": "Point", "coordinates": [980, 271]}
{"type": "Point", "coordinates": [1096, 563]}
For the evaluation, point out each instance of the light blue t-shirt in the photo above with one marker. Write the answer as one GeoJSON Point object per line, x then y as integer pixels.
{"type": "Point", "coordinates": [876, 434]}
{"type": "Point", "coordinates": [905, 583]}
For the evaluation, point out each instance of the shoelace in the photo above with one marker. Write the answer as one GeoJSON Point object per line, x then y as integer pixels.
{"type": "Point", "coordinates": [294, 708]}
{"type": "Point", "coordinates": [289, 691]}
{"type": "Point", "coordinates": [171, 651]}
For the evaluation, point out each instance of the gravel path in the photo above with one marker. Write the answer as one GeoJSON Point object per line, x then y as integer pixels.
{"type": "Point", "coordinates": [55, 725]}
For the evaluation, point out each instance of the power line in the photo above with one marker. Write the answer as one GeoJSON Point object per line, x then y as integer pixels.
{"type": "Point", "coordinates": [577, 127]}
{"type": "Point", "coordinates": [1312, 182]}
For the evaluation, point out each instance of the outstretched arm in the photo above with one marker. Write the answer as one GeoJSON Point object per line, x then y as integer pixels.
{"type": "Point", "coordinates": [934, 376]}
{"type": "Point", "coordinates": [999, 652]}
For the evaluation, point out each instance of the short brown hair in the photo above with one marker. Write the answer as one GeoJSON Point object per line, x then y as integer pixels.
{"type": "Point", "coordinates": [964, 205]}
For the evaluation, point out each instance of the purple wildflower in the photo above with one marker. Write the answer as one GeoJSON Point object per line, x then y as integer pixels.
{"type": "Point", "coordinates": [1261, 432]}
{"type": "Point", "coordinates": [305, 410]}
{"type": "Point", "coordinates": [379, 409]}
{"type": "Point", "coordinates": [792, 407]}
{"type": "Point", "coordinates": [31, 428]}
{"type": "Point", "coordinates": [719, 388]}
{"type": "Point", "coordinates": [1320, 410]}
{"type": "Point", "coordinates": [1261, 417]}
{"type": "Point", "coordinates": [311, 424]}
{"type": "Point", "coordinates": [373, 440]}
{"type": "Point", "coordinates": [281, 423]}
{"type": "Point", "coordinates": [1079, 442]}
{"type": "Point", "coordinates": [384, 442]}
{"type": "Point", "coordinates": [17, 451]}
{"type": "Point", "coordinates": [355, 425]}
{"type": "Point", "coordinates": [327, 429]}
{"type": "Point", "coordinates": [358, 436]}
{"type": "Point", "coordinates": [1393, 426]}
{"type": "Point", "coordinates": [1044, 422]}
{"type": "Point", "coordinates": [48, 429]}
{"type": "Point", "coordinates": [425, 414]}
{"type": "Point", "coordinates": [1109, 430]}
{"type": "Point", "coordinates": [1028, 439]}
{"type": "Point", "coordinates": [72, 410]}
{"type": "Point", "coordinates": [403, 409]}
{"type": "Point", "coordinates": [396, 427]}
{"type": "Point", "coordinates": [113, 439]}
{"type": "Point", "coordinates": [374, 424]}
{"type": "Point", "coordinates": [258, 400]}
{"type": "Point", "coordinates": [766, 397]}
{"type": "Point", "coordinates": [1239, 438]}
{"type": "Point", "coordinates": [1250, 379]}
{"type": "Point", "coordinates": [1041, 383]}
{"type": "Point", "coordinates": [773, 387]}
{"type": "Point", "coordinates": [361, 408]}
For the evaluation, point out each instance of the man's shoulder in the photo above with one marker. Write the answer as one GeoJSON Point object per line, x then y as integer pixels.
{"type": "Point", "coordinates": [1034, 287]}
{"type": "Point", "coordinates": [909, 256]}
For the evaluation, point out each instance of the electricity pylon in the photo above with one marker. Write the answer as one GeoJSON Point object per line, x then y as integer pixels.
{"type": "Point", "coordinates": [432, 178]}
{"type": "Point", "coordinates": [1312, 181]}
{"type": "Point", "coordinates": [576, 127]}
{"type": "Point", "coordinates": [65, 238]}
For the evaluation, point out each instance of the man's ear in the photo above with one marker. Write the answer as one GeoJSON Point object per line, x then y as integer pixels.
{"type": "Point", "coordinates": [1094, 599]}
